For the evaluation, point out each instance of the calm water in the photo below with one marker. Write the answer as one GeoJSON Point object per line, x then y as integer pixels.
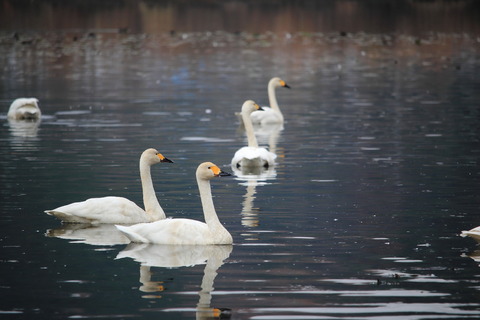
{"type": "Point", "coordinates": [377, 174]}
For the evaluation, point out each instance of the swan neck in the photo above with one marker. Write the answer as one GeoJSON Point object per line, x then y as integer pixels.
{"type": "Point", "coordinates": [247, 121]}
{"type": "Point", "coordinates": [152, 207]}
{"type": "Point", "coordinates": [272, 98]}
{"type": "Point", "coordinates": [209, 212]}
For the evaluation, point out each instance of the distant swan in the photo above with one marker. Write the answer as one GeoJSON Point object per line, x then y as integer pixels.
{"type": "Point", "coordinates": [271, 114]}
{"type": "Point", "coordinates": [186, 231]}
{"type": "Point", "coordinates": [252, 155]}
{"type": "Point", "coordinates": [24, 109]}
{"type": "Point", "coordinates": [117, 209]}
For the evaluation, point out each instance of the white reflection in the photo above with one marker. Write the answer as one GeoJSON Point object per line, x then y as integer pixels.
{"type": "Point", "coordinates": [269, 134]}
{"type": "Point", "coordinates": [24, 134]}
{"type": "Point", "coordinates": [251, 178]}
{"type": "Point", "coordinates": [172, 256]}
{"type": "Point", "coordinates": [95, 235]}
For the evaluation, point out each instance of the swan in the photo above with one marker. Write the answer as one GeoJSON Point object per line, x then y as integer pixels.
{"type": "Point", "coordinates": [252, 155]}
{"type": "Point", "coordinates": [24, 109]}
{"type": "Point", "coordinates": [117, 209]}
{"type": "Point", "coordinates": [271, 114]}
{"type": "Point", "coordinates": [186, 231]}
{"type": "Point", "coordinates": [473, 233]}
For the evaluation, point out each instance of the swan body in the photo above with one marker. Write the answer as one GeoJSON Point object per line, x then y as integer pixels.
{"type": "Point", "coordinates": [473, 233]}
{"type": "Point", "coordinates": [252, 155]}
{"type": "Point", "coordinates": [24, 109]}
{"type": "Point", "coordinates": [118, 209]}
{"type": "Point", "coordinates": [186, 231]}
{"type": "Point", "coordinates": [270, 114]}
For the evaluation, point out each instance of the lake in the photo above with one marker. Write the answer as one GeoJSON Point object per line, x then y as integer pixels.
{"type": "Point", "coordinates": [377, 167]}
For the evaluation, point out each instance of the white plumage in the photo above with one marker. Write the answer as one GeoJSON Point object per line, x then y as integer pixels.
{"type": "Point", "coordinates": [474, 233]}
{"type": "Point", "coordinates": [24, 109]}
{"type": "Point", "coordinates": [186, 231]}
{"type": "Point", "coordinates": [117, 209]}
{"type": "Point", "coordinates": [252, 155]}
{"type": "Point", "coordinates": [270, 114]}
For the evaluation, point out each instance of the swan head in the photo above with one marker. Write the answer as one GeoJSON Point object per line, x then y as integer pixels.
{"type": "Point", "coordinates": [152, 156]}
{"type": "Point", "coordinates": [24, 109]}
{"type": "Point", "coordinates": [250, 106]}
{"type": "Point", "coordinates": [209, 170]}
{"type": "Point", "coordinates": [277, 82]}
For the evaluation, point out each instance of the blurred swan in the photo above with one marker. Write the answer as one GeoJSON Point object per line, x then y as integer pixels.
{"type": "Point", "coordinates": [252, 155]}
{"type": "Point", "coordinates": [473, 233]}
{"type": "Point", "coordinates": [186, 231]}
{"type": "Point", "coordinates": [271, 114]}
{"type": "Point", "coordinates": [24, 109]}
{"type": "Point", "coordinates": [117, 209]}
{"type": "Point", "coordinates": [94, 235]}
{"type": "Point", "coordinates": [174, 256]}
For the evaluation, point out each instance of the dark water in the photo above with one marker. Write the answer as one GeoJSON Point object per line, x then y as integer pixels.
{"type": "Point", "coordinates": [377, 172]}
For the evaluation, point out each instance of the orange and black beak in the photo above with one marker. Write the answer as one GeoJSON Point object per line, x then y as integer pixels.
{"type": "Point", "coordinates": [163, 159]}
{"type": "Point", "coordinates": [219, 172]}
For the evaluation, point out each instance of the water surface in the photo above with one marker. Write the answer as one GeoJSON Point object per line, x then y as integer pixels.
{"type": "Point", "coordinates": [377, 174]}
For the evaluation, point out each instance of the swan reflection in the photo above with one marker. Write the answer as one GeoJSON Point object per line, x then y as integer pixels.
{"type": "Point", "coordinates": [269, 134]}
{"type": "Point", "coordinates": [95, 235]}
{"type": "Point", "coordinates": [251, 178]}
{"type": "Point", "coordinates": [24, 134]}
{"type": "Point", "coordinates": [173, 256]}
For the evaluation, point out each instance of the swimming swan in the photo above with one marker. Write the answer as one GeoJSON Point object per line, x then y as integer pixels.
{"type": "Point", "coordinates": [186, 231]}
{"type": "Point", "coordinates": [24, 109]}
{"type": "Point", "coordinates": [117, 209]}
{"type": "Point", "coordinates": [271, 114]}
{"type": "Point", "coordinates": [252, 155]}
{"type": "Point", "coordinates": [473, 233]}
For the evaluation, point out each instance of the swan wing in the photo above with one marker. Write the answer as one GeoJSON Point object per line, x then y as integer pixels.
{"type": "Point", "coordinates": [170, 231]}
{"type": "Point", "coordinates": [101, 210]}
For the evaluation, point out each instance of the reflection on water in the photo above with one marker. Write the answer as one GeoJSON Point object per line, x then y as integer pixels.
{"type": "Point", "coordinates": [95, 235]}
{"type": "Point", "coordinates": [24, 134]}
{"type": "Point", "coordinates": [251, 178]}
{"type": "Point", "coordinates": [174, 256]}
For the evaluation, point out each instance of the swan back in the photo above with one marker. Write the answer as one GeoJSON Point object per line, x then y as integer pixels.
{"type": "Point", "coordinates": [24, 109]}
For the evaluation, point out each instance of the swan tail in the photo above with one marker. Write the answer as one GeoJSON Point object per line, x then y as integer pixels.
{"type": "Point", "coordinates": [132, 235]}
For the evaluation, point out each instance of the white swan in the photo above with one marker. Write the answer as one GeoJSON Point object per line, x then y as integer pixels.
{"type": "Point", "coordinates": [186, 231]}
{"type": "Point", "coordinates": [271, 114]}
{"type": "Point", "coordinates": [473, 233]}
{"type": "Point", "coordinates": [252, 155]}
{"type": "Point", "coordinates": [117, 209]}
{"type": "Point", "coordinates": [24, 109]}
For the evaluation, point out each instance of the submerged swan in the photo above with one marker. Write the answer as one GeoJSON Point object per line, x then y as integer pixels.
{"type": "Point", "coordinates": [117, 209]}
{"type": "Point", "coordinates": [271, 114]}
{"type": "Point", "coordinates": [252, 155]}
{"type": "Point", "coordinates": [186, 231]}
{"type": "Point", "coordinates": [24, 109]}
